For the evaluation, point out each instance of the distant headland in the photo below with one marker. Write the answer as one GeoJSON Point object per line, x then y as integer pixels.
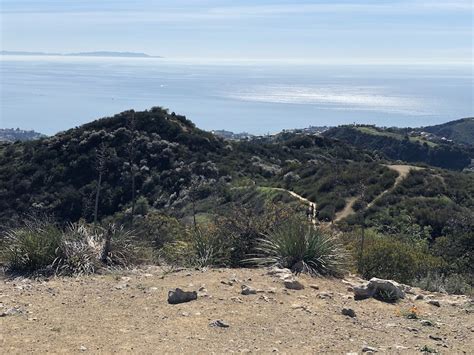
{"type": "Point", "coordinates": [82, 54]}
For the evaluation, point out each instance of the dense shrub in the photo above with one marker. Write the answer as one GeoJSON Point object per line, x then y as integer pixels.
{"type": "Point", "coordinates": [390, 258]}
{"type": "Point", "coordinates": [32, 246]}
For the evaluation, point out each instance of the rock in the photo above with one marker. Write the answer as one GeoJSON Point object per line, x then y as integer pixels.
{"type": "Point", "coordinates": [348, 312]}
{"type": "Point", "coordinates": [314, 287]}
{"type": "Point", "coordinates": [12, 312]}
{"type": "Point", "coordinates": [219, 324]}
{"type": "Point", "coordinates": [367, 349]}
{"type": "Point", "coordinates": [418, 297]}
{"type": "Point", "coordinates": [386, 290]}
{"type": "Point", "coordinates": [228, 283]}
{"type": "Point", "coordinates": [82, 348]}
{"type": "Point", "coordinates": [435, 337]}
{"type": "Point", "coordinates": [283, 274]}
{"type": "Point", "coordinates": [294, 285]}
{"type": "Point", "coordinates": [434, 303]}
{"type": "Point", "coordinates": [247, 290]}
{"type": "Point", "coordinates": [426, 323]}
{"type": "Point", "coordinates": [325, 295]}
{"type": "Point", "coordinates": [177, 296]}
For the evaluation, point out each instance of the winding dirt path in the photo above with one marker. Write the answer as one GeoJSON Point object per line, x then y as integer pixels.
{"type": "Point", "coordinates": [402, 170]}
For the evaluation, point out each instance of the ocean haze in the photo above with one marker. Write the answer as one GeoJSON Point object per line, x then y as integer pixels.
{"type": "Point", "coordinates": [50, 94]}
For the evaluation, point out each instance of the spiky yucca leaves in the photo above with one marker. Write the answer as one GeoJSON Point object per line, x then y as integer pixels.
{"type": "Point", "coordinates": [32, 246]}
{"type": "Point", "coordinates": [301, 247]}
{"type": "Point", "coordinates": [79, 250]}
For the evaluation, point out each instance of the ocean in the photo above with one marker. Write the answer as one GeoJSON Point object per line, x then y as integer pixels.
{"type": "Point", "coordinates": [51, 94]}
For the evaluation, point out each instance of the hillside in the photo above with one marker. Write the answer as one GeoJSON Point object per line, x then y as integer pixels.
{"type": "Point", "coordinates": [460, 131]}
{"type": "Point", "coordinates": [178, 188]}
{"type": "Point", "coordinates": [13, 135]}
{"type": "Point", "coordinates": [405, 144]}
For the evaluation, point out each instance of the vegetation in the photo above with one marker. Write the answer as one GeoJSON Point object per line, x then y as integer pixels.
{"type": "Point", "coordinates": [194, 199]}
{"type": "Point", "coordinates": [301, 247]}
{"type": "Point", "coordinates": [398, 146]}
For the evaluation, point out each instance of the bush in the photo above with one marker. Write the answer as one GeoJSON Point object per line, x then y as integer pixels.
{"type": "Point", "coordinates": [41, 246]}
{"type": "Point", "coordinates": [32, 247]}
{"type": "Point", "coordinates": [300, 247]}
{"type": "Point", "coordinates": [453, 284]}
{"type": "Point", "coordinates": [390, 258]}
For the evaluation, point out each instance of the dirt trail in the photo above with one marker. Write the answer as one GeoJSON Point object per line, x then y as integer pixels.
{"type": "Point", "coordinates": [402, 170]}
{"type": "Point", "coordinates": [348, 209]}
{"type": "Point", "coordinates": [128, 312]}
{"type": "Point", "coordinates": [311, 205]}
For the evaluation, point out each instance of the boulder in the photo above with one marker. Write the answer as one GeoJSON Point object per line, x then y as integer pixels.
{"type": "Point", "coordinates": [387, 290]}
{"type": "Point", "coordinates": [294, 285]}
{"type": "Point", "coordinates": [177, 296]}
{"type": "Point", "coordinates": [348, 312]}
{"type": "Point", "coordinates": [247, 290]}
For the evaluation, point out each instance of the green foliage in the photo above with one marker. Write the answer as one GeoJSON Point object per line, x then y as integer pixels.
{"type": "Point", "coordinates": [391, 258]}
{"type": "Point", "coordinates": [453, 283]}
{"type": "Point", "coordinates": [395, 147]}
{"type": "Point", "coordinates": [239, 228]}
{"type": "Point", "coordinates": [31, 247]}
{"type": "Point", "coordinates": [302, 248]}
{"type": "Point", "coordinates": [40, 246]}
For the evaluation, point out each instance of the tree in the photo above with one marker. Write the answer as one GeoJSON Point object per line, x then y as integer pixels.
{"type": "Point", "coordinates": [101, 159]}
{"type": "Point", "coordinates": [132, 126]}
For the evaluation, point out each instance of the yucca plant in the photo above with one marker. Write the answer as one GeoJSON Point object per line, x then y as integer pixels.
{"type": "Point", "coordinates": [301, 247]}
{"type": "Point", "coordinates": [78, 252]}
{"type": "Point", "coordinates": [207, 247]}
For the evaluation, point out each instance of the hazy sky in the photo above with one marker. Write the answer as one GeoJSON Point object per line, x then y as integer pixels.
{"type": "Point", "coordinates": [437, 31]}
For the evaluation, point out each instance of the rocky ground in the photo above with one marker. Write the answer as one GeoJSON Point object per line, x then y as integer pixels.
{"type": "Point", "coordinates": [129, 312]}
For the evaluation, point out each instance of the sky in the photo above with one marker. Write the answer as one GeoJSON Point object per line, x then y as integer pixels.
{"type": "Point", "coordinates": [338, 31]}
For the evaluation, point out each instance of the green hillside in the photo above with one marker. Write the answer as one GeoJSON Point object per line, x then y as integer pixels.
{"type": "Point", "coordinates": [406, 145]}
{"type": "Point", "coordinates": [460, 131]}
{"type": "Point", "coordinates": [157, 173]}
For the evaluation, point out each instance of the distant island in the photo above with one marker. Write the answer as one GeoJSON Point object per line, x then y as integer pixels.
{"type": "Point", "coordinates": [83, 54]}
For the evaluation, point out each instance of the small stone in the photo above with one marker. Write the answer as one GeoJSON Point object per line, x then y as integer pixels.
{"type": "Point", "coordinates": [12, 311]}
{"type": "Point", "coordinates": [401, 347]}
{"type": "Point", "coordinates": [367, 349]}
{"type": "Point", "coordinates": [348, 312]}
{"type": "Point", "coordinates": [219, 324]}
{"type": "Point", "coordinates": [418, 297]}
{"type": "Point", "coordinates": [177, 296]}
{"type": "Point", "coordinates": [434, 303]}
{"type": "Point", "coordinates": [325, 295]}
{"type": "Point", "coordinates": [435, 337]}
{"type": "Point", "coordinates": [228, 283]}
{"type": "Point", "coordinates": [247, 290]}
{"type": "Point", "coordinates": [426, 323]}
{"type": "Point", "coordinates": [82, 348]}
{"type": "Point", "coordinates": [294, 285]}
{"type": "Point", "coordinates": [272, 290]}
{"type": "Point", "coordinates": [314, 287]}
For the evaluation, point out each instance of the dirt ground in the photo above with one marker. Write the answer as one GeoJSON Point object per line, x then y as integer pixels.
{"type": "Point", "coordinates": [128, 312]}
